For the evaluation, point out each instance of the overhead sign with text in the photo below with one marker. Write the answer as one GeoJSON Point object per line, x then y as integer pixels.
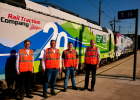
{"type": "Point", "coordinates": [126, 14]}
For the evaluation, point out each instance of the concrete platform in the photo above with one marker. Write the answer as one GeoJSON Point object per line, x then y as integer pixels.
{"type": "Point", "coordinates": [113, 82]}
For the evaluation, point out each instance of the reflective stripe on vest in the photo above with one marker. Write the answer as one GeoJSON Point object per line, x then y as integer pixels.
{"type": "Point", "coordinates": [26, 60]}
{"type": "Point", "coordinates": [52, 59]}
{"type": "Point", "coordinates": [91, 56]}
{"type": "Point", "coordinates": [70, 58]}
{"type": "Point", "coordinates": [22, 54]}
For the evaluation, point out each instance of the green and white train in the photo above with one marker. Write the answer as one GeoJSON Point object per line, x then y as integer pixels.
{"type": "Point", "coordinates": [23, 19]}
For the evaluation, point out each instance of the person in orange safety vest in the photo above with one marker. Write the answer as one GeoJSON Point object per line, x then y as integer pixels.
{"type": "Point", "coordinates": [92, 61]}
{"type": "Point", "coordinates": [24, 67]}
{"type": "Point", "coordinates": [70, 65]}
{"type": "Point", "coordinates": [51, 63]}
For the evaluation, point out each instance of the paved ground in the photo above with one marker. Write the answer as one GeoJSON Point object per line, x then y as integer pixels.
{"type": "Point", "coordinates": [113, 82]}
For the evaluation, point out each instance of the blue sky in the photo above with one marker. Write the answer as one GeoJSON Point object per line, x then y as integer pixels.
{"type": "Point", "coordinates": [90, 9]}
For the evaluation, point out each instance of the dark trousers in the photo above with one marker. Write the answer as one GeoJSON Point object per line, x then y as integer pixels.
{"type": "Point", "coordinates": [89, 68]}
{"type": "Point", "coordinates": [25, 80]}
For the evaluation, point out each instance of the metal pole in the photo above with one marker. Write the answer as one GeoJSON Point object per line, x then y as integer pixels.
{"type": "Point", "coordinates": [114, 24]}
{"type": "Point", "coordinates": [135, 47]}
{"type": "Point", "coordinates": [100, 14]}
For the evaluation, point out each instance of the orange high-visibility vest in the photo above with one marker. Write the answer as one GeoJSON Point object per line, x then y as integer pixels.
{"type": "Point", "coordinates": [52, 59]}
{"type": "Point", "coordinates": [25, 61]}
{"type": "Point", "coordinates": [70, 58]}
{"type": "Point", "coordinates": [91, 55]}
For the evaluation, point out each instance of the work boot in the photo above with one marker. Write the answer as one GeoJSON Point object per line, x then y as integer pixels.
{"type": "Point", "coordinates": [45, 95]}
{"type": "Point", "coordinates": [53, 93]}
{"type": "Point", "coordinates": [65, 89]}
{"type": "Point", "coordinates": [85, 88]}
{"type": "Point", "coordinates": [21, 97]}
{"type": "Point", "coordinates": [75, 88]}
{"type": "Point", "coordinates": [92, 89]}
{"type": "Point", "coordinates": [29, 96]}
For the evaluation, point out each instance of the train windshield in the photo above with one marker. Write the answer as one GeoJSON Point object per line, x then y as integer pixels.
{"type": "Point", "coordinates": [19, 1]}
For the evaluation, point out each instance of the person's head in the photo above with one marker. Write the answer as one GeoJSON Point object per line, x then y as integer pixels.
{"type": "Point", "coordinates": [27, 44]}
{"type": "Point", "coordinates": [13, 52]}
{"type": "Point", "coordinates": [53, 44]}
{"type": "Point", "coordinates": [70, 45]}
{"type": "Point", "coordinates": [92, 43]}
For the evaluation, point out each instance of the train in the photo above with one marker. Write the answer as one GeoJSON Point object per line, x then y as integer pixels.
{"type": "Point", "coordinates": [26, 20]}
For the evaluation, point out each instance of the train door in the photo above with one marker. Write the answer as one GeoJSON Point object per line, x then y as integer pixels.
{"type": "Point", "coordinates": [122, 45]}
{"type": "Point", "coordinates": [109, 42]}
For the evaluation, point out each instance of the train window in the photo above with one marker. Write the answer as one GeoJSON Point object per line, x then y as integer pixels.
{"type": "Point", "coordinates": [104, 39]}
{"type": "Point", "coordinates": [104, 29]}
{"type": "Point", "coordinates": [109, 42]}
{"type": "Point", "coordinates": [116, 48]}
{"type": "Point", "coordinates": [17, 3]}
{"type": "Point", "coordinates": [121, 40]}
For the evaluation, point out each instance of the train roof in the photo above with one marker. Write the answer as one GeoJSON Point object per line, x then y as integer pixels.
{"type": "Point", "coordinates": [60, 14]}
{"type": "Point", "coordinates": [56, 13]}
{"type": "Point", "coordinates": [128, 38]}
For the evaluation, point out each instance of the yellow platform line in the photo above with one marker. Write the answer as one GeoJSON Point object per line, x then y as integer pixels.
{"type": "Point", "coordinates": [116, 65]}
{"type": "Point", "coordinates": [106, 69]}
{"type": "Point", "coordinates": [98, 73]}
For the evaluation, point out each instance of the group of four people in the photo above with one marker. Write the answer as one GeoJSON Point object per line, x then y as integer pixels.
{"type": "Point", "coordinates": [51, 65]}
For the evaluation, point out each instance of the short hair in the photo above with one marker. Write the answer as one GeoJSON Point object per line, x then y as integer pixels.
{"type": "Point", "coordinates": [70, 43]}
{"type": "Point", "coordinates": [27, 41]}
{"type": "Point", "coordinates": [92, 39]}
{"type": "Point", "coordinates": [52, 40]}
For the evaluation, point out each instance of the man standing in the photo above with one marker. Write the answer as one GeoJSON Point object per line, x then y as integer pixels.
{"type": "Point", "coordinates": [70, 65]}
{"type": "Point", "coordinates": [92, 61]}
{"type": "Point", "coordinates": [24, 66]}
{"type": "Point", "coordinates": [51, 65]}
